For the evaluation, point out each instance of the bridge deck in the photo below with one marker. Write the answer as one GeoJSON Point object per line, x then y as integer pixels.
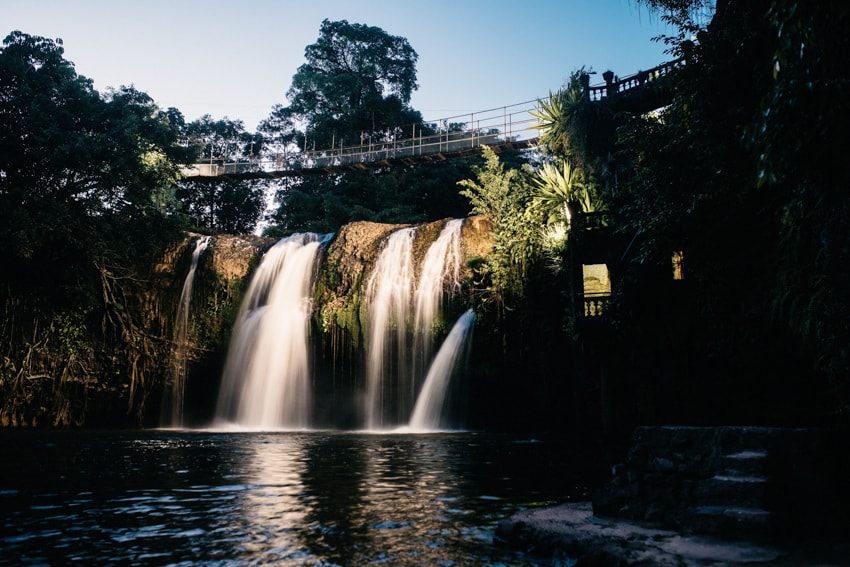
{"type": "Point", "coordinates": [253, 172]}
{"type": "Point", "coordinates": [502, 129]}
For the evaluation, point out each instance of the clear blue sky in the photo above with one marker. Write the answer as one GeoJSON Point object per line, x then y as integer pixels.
{"type": "Point", "coordinates": [237, 59]}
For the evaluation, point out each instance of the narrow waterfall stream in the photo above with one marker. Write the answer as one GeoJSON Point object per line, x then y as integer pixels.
{"type": "Point", "coordinates": [428, 414]}
{"type": "Point", "coordinates": [172, 397]}
{"type": "Point", "coordinates": [266, 380]}
{"type": "Point", "coordinates": [439, 279]}
{"type": "Point", "coordinates": [389, 293]}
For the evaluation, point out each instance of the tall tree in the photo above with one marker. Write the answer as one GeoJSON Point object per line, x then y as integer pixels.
{"type": "Point", "coordinates": [86, 182]}
{"type": "Point", "coordinates": [82, 176]}
{"type": "Point", "coordinates": [355, 89]}
{"type": "Point", "coordinates": [357, 81]}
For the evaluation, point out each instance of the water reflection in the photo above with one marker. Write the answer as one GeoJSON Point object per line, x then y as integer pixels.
{"type": "Point", "coordinates": [274, 510]}
{"type": "Point", "coordinates": [258, 498]}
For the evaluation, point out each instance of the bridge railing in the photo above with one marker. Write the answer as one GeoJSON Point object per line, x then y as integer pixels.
{"type": "Point", "coordinates": [615, 85]}
{"type": "Point", "coordinates": [454, 134]}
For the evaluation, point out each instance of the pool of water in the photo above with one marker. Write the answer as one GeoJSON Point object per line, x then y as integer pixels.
{"type": "Point", "coordinates": [295, 498]}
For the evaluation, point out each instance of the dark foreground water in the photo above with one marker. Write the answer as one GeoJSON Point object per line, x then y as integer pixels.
{"type": "Point", "coordinates": [316, 498]}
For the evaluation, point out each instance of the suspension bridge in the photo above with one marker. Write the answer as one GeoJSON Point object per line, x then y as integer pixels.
{"type": "Point", "coordinates": [504, 128]}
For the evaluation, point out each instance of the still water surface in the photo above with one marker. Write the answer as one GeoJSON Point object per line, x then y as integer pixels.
{"type": "Point", "coordinates": [312, 498]}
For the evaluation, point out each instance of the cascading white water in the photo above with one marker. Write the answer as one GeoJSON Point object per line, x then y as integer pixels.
{"type": "Point", "coordinates": [173, 394]}
{"type": "Point", "coordinates": [440, 277]}
{"type": "Point", "coordinates": [388, 292]}
{"type": "Point", "coordinates": [428, 412]}
{"type": "Point", "coordinates": [266, 381]}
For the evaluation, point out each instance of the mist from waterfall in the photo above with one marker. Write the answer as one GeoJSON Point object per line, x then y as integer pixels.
{"type": "Point", "coordinates": [266, 380]}
{"type": "Point", "coordinates": [172, 398]}
{"type": "Point", "coordinates": [389, 293]}
{"type": "Point", "coordinates": [429, 412]}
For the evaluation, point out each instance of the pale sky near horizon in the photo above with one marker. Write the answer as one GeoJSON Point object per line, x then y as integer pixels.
{"type": "Point", "coordinates": [237, 59]}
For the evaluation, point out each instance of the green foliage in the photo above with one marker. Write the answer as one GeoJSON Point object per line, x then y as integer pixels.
{"type": "Point", "coordinates": [573, 127]}
{"type": "Point", "coordinates": [223, 139]}
{"type": "Point", "coordinates": [505, 196]}
{"type": "Point", "coordinates": [223, 205]}
{"type": "Point", "coordinates": [340, 302]}
{"type": "Point", "coordinates": [82, 176]}
{"type": "Point", "coordinates": [555, 116]}
{"type": "Point", "coordinates": [354, 89]}
{"type": "Point", "coordinates": [801, 165]}
{"type": "Point", "coordinates": [357, 81]}
{"type": "Point", "coordinates": [72, 332]}
{"type": "Point", "coordinates": [214, 322]}
{"type": "Point", "coordinates": [400, 195]}
{"type": "Point", "coordinates": [559, 186]}
{"type": "Point", "coordinates": [743, 171]}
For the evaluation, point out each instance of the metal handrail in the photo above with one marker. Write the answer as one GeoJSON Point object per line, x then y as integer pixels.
{"type": "Point", "coordinates": [502, 125]}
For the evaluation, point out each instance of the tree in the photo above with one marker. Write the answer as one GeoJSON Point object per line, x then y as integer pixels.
{"type": "Point", "coordinates": [86, 205]}
{"type": "Point", "coordinates": [743, 173]}
{"type": "Point", "coordinates": [505, 195]}
{"type": "Point", "coordinates": [224, 205]}
{"type": "Point", "coordinates": [355, 89]}
{"type": "Point", "coordinates": [799, 135]}
{"type": "Point", "coordinates": [402, 194]}
{"type": "Point", "coordinates": [82, 176]}
{"type": "Point", "coordinates": [357, 82]}
{"type": "Point", "coordinates": [223, 139]}
{"type": "Point", "coordinates": [558, 186]}
{"type": "Point", "coordinates": [575, 128]}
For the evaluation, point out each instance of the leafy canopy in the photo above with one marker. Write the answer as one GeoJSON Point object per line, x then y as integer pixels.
{"type": "Point", "coordinates": [505, 196]}
{"type": "Point", "coordinates": [357, 78]}
{"type": "Point", "coordinates": [82, 175]}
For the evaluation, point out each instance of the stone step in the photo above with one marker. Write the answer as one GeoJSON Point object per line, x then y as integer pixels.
{"type": "Point", "coordinates": [732, 490]}
{"type": "Point", "coordinates": [749, 462]}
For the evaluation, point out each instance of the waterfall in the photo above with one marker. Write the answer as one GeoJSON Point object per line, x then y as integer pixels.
{"type": "Point", "coordinates": [428, 413]}
{"type": "Point", "coordinates": [388, 292]}
{"type": "Point", "coordinates": [395, 367]}
{"type": "Point", "coordinates": [172, 397]}
{"type": "Point", "coordinates": [440, 276]}
{"type": "Point", "coordinates": [266, 380]}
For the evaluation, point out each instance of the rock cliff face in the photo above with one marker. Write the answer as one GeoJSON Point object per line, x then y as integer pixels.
{"type": "Point", "coordinates": [353, 254]}
{"type": "Point", "coordinates": [103, 366]}
{"type": "Point", "coordinates": [108, 366]}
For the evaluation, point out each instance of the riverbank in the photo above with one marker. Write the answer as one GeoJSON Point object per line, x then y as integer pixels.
{"type": "Point", "coordinates": [571, 532]}
{"type": "Point", "coordinates": [704, 496]}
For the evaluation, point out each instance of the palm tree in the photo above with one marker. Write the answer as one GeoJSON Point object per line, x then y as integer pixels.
{"type": "Point", "coordinates": [574, 127]}
{"type": "Point", "coordinates": [558, 185]}
{"type": "Point", "coordinates": [560, 118]}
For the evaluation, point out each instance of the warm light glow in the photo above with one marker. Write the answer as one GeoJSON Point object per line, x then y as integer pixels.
{"type": "Point", "coordinates": [678, 265]}
{"type": "Point", "coordinates": [597, 289]}
{"type": "Point", "coordinates": [596, 280]}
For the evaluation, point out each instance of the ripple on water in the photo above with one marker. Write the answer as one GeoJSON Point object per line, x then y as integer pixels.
{"type": "Point", "coordinates": [221, 499]}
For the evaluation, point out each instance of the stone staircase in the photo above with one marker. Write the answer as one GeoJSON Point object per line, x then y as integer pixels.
{"type": "Point", "coordinates": [724, 481]}
{"type": "Point", "coordinates": [733, 501]}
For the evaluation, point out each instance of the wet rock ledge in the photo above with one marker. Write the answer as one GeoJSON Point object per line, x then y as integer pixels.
{"type": "Point", "coordinates": [704, 496]}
